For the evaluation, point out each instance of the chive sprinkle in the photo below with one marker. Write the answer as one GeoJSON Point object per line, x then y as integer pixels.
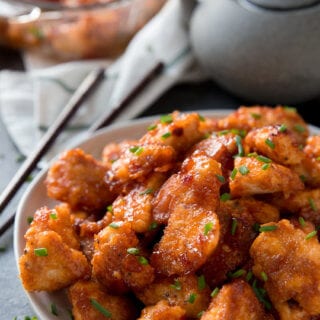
{"type": "Point", "coordinates": [53, 215]}
{"type": "Point", "coordinates": [256, 116]}
{"type": "Point", "coordinates": [134, 251]}
{"type": "Point", "coordinates": [114, 225]}
{"type": "Point", "coordinates": [234, 226]}
{"type": "Point", "coordinates": [238, 273]}
{"type": "Point", "coordinates": [54, 309]}
{"type": "Point", "coordinates": [137, 150]}
{"type": "Point", "coordinates": [142, 260]}
{"type": "Point", "coordinates": [249, 276]}
{"type": "Point", "coordinates": [282, 128]}
{"type": "Point", "coordinates": [268, 228]}
{"type": "Point", "coordinates": [225, 196]}
{"type": "Point", "coordinates": [29, 219]}
{"type": "Point", "coordinates": [147, 191]}
{"type": "Point", "coordinates": [201, 282]}
{"type": "Point", "coordinates": [110, 208]}
{"type": "Point", "coordinates": [244, 170]}
{"type": "Point", "coordinates": [201, 118]}
{"type": "Point", "coordinates": [312, 204]}
{"type": "Point", "coordinates": [221, 178]}
{"type": "Point", "coordinates": [176, 285]}
{"type": "Point", "coordinates": [233, 173]}
{"type": "Point", "coordinates": [256, 227]}
{"type": "Point", "coordinates": [41, 252]}
{"type": "Point", "coordinates": [200, 314]}
{"type": "Point", "coordinates": [166, 118]}
{"type": "Point", "coordinates": [100, 308]}
{"type": "Point", "coordinates": [153, 225]}
{"type": "Point", "coordinates": [151, 127]}
{"type": "Point", "coordinates": [166, 135]}
{"type": "Point", "coordinates": [207, 228]}
{"type": "Point", "coordinates": [302, 222]}
{"type": "Point", "coordinates": [311, 234]}
{"type": "Point", "coordinates": [303, 178]}
{"type": "Point", "coordinates": [265, 166]}
{"type": "Point", "coordinates": [192, 298]}
{"type": "Point", "coordinates": [299, 128]}
{"type": "Point", "coordinates": [269, 143]}
{"type": "Point", "coordinates": [264, 276]}
{"type": "Point", "coordinates": [290, 109]}
{"type": "Point", "coordinates": [263, 159]}
{"type": "Point", "coordinates": [318, 158]}
{"type": "Point", "coordinates": [240, 146]}
{"type": "Point", "coordinates": [214, 292]}
{"type": "Point", "coordinates": [260, 294]}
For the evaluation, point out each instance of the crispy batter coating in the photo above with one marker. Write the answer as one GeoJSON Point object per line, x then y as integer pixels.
{"type": "Point", "coordinates": [256, 180]}
{"type": "Point", "coordinates": [248, 118]}
{"type": "Point", "coordinates": [161, 311]}
{"type": "Point", "coordinates": [235, 300]}
{"type": "Point", "coordinates": [192, 232]}
{"type": "Point", "coordinates": [85, 296]}
{"type": "Point", "coordinates": [312, 147]}
{"type": "Point", "coordinates": [178, 291]}
{"type": "Point", "coordinates": [116, 268]}
{"type": "Point", "coordinates": [78, 179]}
{"type": "Point", "coordinates": [271, 142]}
{"type": "Point", "coordinates": [291, 262]}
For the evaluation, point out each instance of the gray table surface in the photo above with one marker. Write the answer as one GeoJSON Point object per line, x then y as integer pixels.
{"type": "Point", "coordinates": [206, 95]}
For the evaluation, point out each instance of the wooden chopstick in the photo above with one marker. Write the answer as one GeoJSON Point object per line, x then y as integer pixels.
{"type": "Point", "coordinates": [106, 119]}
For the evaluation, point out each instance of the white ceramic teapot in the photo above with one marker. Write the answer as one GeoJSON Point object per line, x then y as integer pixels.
{"type": "Point", "coordinates": [267, 51]}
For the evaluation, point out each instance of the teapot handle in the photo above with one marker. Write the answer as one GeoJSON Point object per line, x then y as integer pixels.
{"type": "Point", "coordinates": [187, 9]}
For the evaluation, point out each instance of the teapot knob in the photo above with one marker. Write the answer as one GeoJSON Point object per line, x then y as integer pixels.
{"type": "Point", "coordinates": [284, 4]}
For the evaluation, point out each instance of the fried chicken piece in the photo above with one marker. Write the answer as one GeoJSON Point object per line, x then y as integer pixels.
{"type": "Point", "coordinates": [161, 311]}
{"type": "Point", "coordinates": [272, 142]}
{"type": "Point", "coordinates": [255, 179]}
{"type": "Point", "coordinates": [248, 118]}
{"type": "Point", "coordinates": [78, 179]}
{"type": "Point", "coordinates": [87, 296]}
{"type": "Point", "coordinates": [136, 206]}
{"type": "Point", "coordinates": [178, 291]}
{"type": "Point", "coordinates": [114, 265]}
{"type": "Point", "coordinates": [288, 259]}
{"type": "Point", "coordinates": [236, 300]}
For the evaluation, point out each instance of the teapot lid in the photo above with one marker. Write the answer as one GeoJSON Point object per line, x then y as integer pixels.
{"type": "Point", "coordinates": [284, 4]}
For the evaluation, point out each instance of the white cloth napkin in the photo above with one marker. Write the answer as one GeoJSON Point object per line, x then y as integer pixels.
{"type": "Point", "coordinates": [30, 101]}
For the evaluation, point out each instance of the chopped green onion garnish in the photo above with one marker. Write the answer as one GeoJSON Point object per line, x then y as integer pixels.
{"type": "Point", "coordinates": [200, 314]}
{"type": "Point", "coordinates": [137, 150]}
{"type": "Point", "coordinates": [234, 226]}
{"type": "Point", "coordinates": [240, 146]}
{"type": "Point", "coordinates": [153, 225]}
{"type": "Point", "coordinates": [206, 135]}
{"type": "Point", "coordinates": [142, 260]}
{"type": "Point", "coordinates": [233, 173]}
{"type": "Point", "coordinates": [252, 154]}
{"type": "Point", "coordinates": [100, 308]}
{"type": "Point", "coordinates": [166, 135]}
{"type": "Point", "coordinates": [29, 219]}
{"type": "Point", "coordinates": [110, 208]}
{"type": "Point", "coordinates": [260, 295]}
{"type": "Point", "coordinates": [207, 228]}
{"type": "Point", "coordinates": [221, 178]}
{"type": "Point", "coordinates": [225, 196]}
{"type": "Point", "coordinates": [134, 251]}
{"type": "Point", "coordinates": [176, 285]}
{"type": "Point", "coordinates": [41, 252]}
{"type": "Point", "coordinates": [243, 170]}
{"type": "Point", "coordinates": [114, 225]}
{"type": "Point", "coordinates": [282, 128]}
{"type": "Point", "coordinates": [256, 227]}
{"type": "Point", "coordinates": [237, 273]}
{"type": "Point", "coordinates": [202, 118]}
{"type": "Point", "coordinates": [54, 309]}
{"type": "Point", "coordinates": [311, 234]}
{"type": "Point", "coordinates": [166, 118]}
{"type": "Point", "coordinates": [267, 228]}
{"type": "Point", "coordinates": [256, 116]}
{"type": "Point", "coordinates": [302, 222]}
{"type": "Point", "coordinates": [269, 143]}
{"type": "Point", "coordinates": [151, 127]}
{"type": "Point", "coordinates": [214, 292]}
{"type": "Point", "coordinates": [192, 298]}
{"type": "Point", "coordinates": [312, 204]}
{"type": "Point", "coordinates": [249, 276]}
{"type": "Point", "coordinates": [318, 158]}
{"type": "Point", "coordinates": [290, 109]}
{"type": "Point", "coordinates": [265, 166]}
{"type": "Point", "coordinates": [263, 159]}
{"type": "Point", "coordinates": [147, 191]}
{"type": "Point", "coordinates": [264, 276]}
{"type": "Point", "coordinates": [201, 282]}
{"type": "Point", "coordinates": [53, 215]}
{"type": "Point", "coordinates": [303, 178]}
{"type": "Point", "coordinates": [299, 128]}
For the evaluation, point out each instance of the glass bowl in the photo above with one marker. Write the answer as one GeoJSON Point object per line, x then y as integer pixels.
{"type": "Point", "coordinates": [74, 29]}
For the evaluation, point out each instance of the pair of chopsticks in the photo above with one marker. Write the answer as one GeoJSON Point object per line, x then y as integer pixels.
{"type": "Point", "coordinates": [85, 89]}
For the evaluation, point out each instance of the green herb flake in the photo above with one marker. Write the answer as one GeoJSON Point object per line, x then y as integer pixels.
{"type": "Point", "coordinates": [269, 143]}
{"type": "Point", "coordinates": [299, 128]}
{"type": "Point", "coordinates": [264, 276]}
{"type": "Point", "coordinates": [312, 204]}
{"type": "Point", "coordinates": [263, 159]}
{"type": "Point", "coordinates": [318, 158]}
{"type": "Point", "coordinates": [201, 282]}
{"type": "Point", "coordinates": [152, 127]}
{"type": "Point", "coordinates": [143, 261]}
{"type": "Point", "coordinates": [283, 128]}
{"type": "Point", "coordinates": [114, 225]}
{"type": "Point", "coordinates": [137, 150]}
{"type": "Point", "coordinates": [147, 191]}
{"type": "Point", "coordinates": [243, 170]}
{"type": "Point", "coordinates": [192, 298]}
{"type": "Point", "coordinates": [153, 225]}
{"type": "Point", "coordinates": [166, 118]}
{"type": "Point", "coordinates": [29, 219]}
{"type": "Point", "coordinates": [54, 309]}
{"type": "Point", "coordinates": [290, 109]}
{"type": "Point", "coordinates": [95, 304]}
{"type": "Point", "coordinates": [302, 222]}
{"type": "Point", "coordinates": [238, 273]}
{"type": "Point", "coordinates": [233, 173]}
{"type": "Point", "coordinates": [240, 146]}
{"type": "Point", "coordinates": [201, 118]}
{"type": "Point", "coordinates": [206, 136]}
{"type": "Point", "coordinates": [134, 251]}
{"type": "Point", "coordinates": [256, 227]}
{"type": "Point", "coordinates": [249, 276]}
{"type": "Point", "coordinates": [268, 228]}
{"type": "Point", "coordinates": [214, 292]}
{"type": "Point", "coordinates": [311, 234]}
{"type": "Point", "coordinates": [41, 252]}
{"type": "Point", "coordinates": [36, 32]}
{"type": "Point", "coordinates": [301, 147]}
{"type": "Point", "coordinates": [234, 226]}
{"type": "Point", "coordinates": [303, 178]}
{"type": "Point", "coordinates": [176, 285]}
{"type": "Point", "coordinates": [53, 216]}
{"type": "Point", "coordinates": [256, 116]}
{"type": "Point", "coordinates": [166, 135]}
{"type": "Point", "coordinates": [225, 197]}
{"type": "Point", "coordinates": [221, 178]}
{"type": "Point", "coordinates": [265, 166]}
{"type": "Point", "coordinates": [207, 228]}
{"type": "Point", "coordinates": [110, 208]}
{"type": "Point", "coordinates": [260, 294]}
{"type": "Point", "coordinates": [200, 314]}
